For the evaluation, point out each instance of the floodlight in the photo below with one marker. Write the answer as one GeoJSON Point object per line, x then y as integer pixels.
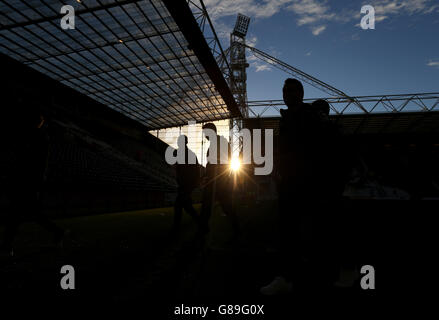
{"type": "Point", "coordinates": [241, 25]}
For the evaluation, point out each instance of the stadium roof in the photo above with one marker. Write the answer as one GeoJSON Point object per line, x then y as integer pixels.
{"type": "Point", "coordinates": [147, 59]}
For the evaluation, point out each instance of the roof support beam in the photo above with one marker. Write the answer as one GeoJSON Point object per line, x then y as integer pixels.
{"type": "Point", "coordinates": [185, 20]}
{"type": "Point", "coordinates": [59, 16]}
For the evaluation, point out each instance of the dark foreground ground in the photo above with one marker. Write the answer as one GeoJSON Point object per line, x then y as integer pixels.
{"type": "Point", "coordinates": [132, 259]}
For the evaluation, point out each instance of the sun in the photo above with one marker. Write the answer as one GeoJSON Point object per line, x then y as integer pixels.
{"type": "Point", "coordinates": [235, 165]}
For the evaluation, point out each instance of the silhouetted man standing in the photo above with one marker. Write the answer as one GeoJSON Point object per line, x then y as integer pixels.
{"type": "Point", "coordinates": [334, 171]}
{"type": "Point", "coordinates": [218, 185]}
{"type": "Point", "coordinates": [187, 180]}
{"type": "Point", "coordinates": [298, 181]}
{"type": "Point", "coordinates": [333, 165]}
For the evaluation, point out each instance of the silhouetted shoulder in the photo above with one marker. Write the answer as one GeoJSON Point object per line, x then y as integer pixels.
{"type": "Point", "coordinates": [192, 155]}
{"type": "Point", "coordinates": [284, 113]}
{"type": "Point", "coordinates": [310, 113]}
{"type": "Point", "coordinates": [285, 119]}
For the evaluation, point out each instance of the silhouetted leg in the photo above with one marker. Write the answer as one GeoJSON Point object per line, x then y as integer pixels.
{"type": "Point", "coordinates": [11, 229]}
{"type": "Point", "coordinates": [225, 196]}
{"type": "Point", "coordinates": [324, 241]}
{"type": "Point", "coordinates": [289, 243]}
{"type": "Point", "coordinates": [35, 213]}
{"type": "Point", "coordinates": [50, 226]}
{"type": "Point", "coordinates": [13, 220]}
{"type": "Point", "coordinates": [289, 233]}
{"type": "Point", "coordinates": [347, 243]}
{"type": "Point", "coordinates": [226, 201]}
{"type": "Point", "coordinates": [206, 208]}
{"type": "Point", "coordinates": [188, 207]}
{"type": "Point", "coordinates": [178, 210]}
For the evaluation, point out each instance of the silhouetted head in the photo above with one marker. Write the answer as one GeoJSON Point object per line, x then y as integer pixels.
{"type": "Point", "coordinates": [182, 141]}
{"type": "Point", "coordinates": [322, 107]}
{"type": "Point", "coordinates": [210, 126]}
{"type": "Point", "coordinates": [292, 92]}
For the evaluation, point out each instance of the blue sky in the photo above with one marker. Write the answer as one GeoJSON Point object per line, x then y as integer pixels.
{"type": "Point", "coordinates": [324, 39]}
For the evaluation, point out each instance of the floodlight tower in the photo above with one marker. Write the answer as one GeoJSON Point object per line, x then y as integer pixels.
{"type": "Point", "coordinates": [238, 77]}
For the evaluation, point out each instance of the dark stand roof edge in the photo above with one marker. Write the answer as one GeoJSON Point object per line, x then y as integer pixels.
{"type": "Point", "coordinates": [182, 14]}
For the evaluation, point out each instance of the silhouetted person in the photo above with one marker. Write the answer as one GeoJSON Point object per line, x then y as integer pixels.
{"type": "Point", "coordinates": [187, 180]}
{"type": "Point", "coordinates": [26, 178]}
{"type": "Point", "coordinates": [322, 107]}
{"type": "Point", "coordinates": [298, 187]}
{"type": "Point", "coordinates": [218, 184]}
{"type": "Point", "coordinates": [334, 165]}
{"type": "Point", "coordinates": [338, 165]}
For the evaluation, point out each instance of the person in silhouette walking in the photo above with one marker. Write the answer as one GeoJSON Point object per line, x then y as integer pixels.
{"type": "Point", "coordinates": [188, 174]}
{"type": "Point", "coordinates": [218, 185]}
{"type": "Point", "coordinates": [30, 150]}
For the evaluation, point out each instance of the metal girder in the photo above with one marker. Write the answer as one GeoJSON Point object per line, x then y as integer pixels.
{"type": "Point", "coordinates": [238, 78]}
{"type": "Point", "coordinates": [199, 42]}
{"type": "Point", "coordinates": [57, 17]}
{"type": "Point", "coordinates": [303, 76]}
{"type": "Point", "coordinates": [372, 104]}
{"type": "Point", "coordinates": [131, 56]}
{"type": "Point", "coordinates": [202, 17]}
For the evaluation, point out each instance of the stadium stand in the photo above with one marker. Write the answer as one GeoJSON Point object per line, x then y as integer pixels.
{"type": "Point", "coordinates": [99, 160]}
{"type": "Point", "coordinates": [395, 156]}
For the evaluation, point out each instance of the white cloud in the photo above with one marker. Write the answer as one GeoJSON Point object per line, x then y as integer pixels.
{"type": "Point", "coordinates": [222, 29]}
{"type": "Point", "coordinates": [386, 8]}
{"type": "Point", "coordinates": [251, 41]}
{"type": "Point", "coordinates": [259, 64]}
{"type": "Point", "coordinates": [380, 18]}
{"type": "Point", "coordinates": [434, 64]}
{"type": "Point", "coordinates": [318, 30]}
{"type": "Point", "coordinates": [262, 67]}
{"type": "Point", "coordinates": [310, 11]}
{"type": "Point", "coordinates": [308, 54]}
{"type": "Point", "coordinates": [252, 8]}
{"type": "Point", "coordinates": [316, 12]}
{"type": "Point", "coordinates": [313, 13]}
{"type": "Point", "coordinates": [398, 6]}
